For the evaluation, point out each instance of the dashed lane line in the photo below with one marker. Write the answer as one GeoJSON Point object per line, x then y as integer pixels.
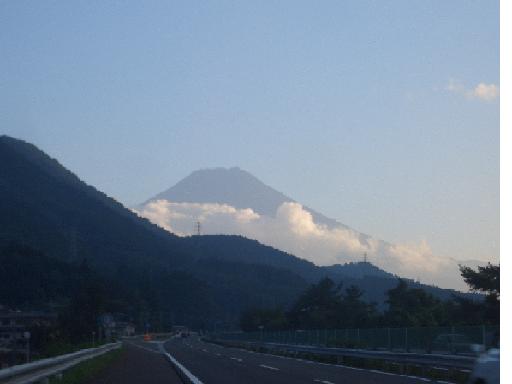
{"type": "Point", "coordinates": [337, 366]}
{"type": "Point", "coordinates": [269, 367]}
{"type": "Point", "coordinates": [323, 381]}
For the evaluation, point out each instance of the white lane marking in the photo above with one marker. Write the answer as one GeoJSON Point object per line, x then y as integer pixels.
{"type": "Point", "coordinates": [323, 381]}
{"type": "Point", "coordinates": [269, 367]}
{"type": "Point", "coordinates": [382, 372]}
{"type": "Point", "coordinates": [339, 365]}
{"type": "Point", "coordinates": [204, 350]}
{"type": "Point", "coordinates": [218, 354]}
{"type": "Point", "coordinates": [185, 371]}
{"type": "Point", "coordinates": [236, 359]}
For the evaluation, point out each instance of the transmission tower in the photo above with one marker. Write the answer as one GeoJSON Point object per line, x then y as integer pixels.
{"type": "Point", "coordinates": [198, 228]}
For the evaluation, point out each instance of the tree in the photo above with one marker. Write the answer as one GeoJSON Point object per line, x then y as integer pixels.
{"type": "Point", "coordinates": [318, 307]}
{"type": "Point", "coordinates": [268, 319]}
{"type": "Point", "coordinates": [486, 280]}
{"type": "Point", "coordinates": [355, 312]}
{"type": "Point", "coordinates": [80, 317]}
{"type": "Point", "coordinates": [411, 307]}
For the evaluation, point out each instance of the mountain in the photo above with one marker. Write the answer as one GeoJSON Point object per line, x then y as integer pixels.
{"type": "Point", "coordinates": [233, 201]}
{"type": "Point", "coordinates": [46, 208]}
{"type": "Point", "coordinates": [52, 224]}
{"type": "Point", "coordinates": [232, 186]}
{"type": "Point", "coordinates": [44, 205]}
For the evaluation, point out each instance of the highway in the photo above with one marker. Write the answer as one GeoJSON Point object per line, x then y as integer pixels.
{"type": "Point", "coordinates": [213, 364]}
{"type": "Point", "coordinates": [138, 364]}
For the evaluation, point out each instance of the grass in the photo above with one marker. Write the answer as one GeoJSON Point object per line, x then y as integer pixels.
{"type": "Point", "coordinates": [86, 370]}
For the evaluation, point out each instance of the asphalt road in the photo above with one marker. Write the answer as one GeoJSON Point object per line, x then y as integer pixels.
{"type": "Point", "coordinates": [137, 365]}
{"type": "Point", "coordinates": [213, 364]}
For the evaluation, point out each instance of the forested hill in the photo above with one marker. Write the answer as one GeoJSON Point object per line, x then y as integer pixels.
{"type": "Point", "coordinates": [49, 211]}
{"type": "Point", "coordinates": [45, 206]}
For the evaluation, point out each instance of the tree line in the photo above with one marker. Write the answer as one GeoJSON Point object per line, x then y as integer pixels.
{"type": "Point", "coordinates": [327, 305]}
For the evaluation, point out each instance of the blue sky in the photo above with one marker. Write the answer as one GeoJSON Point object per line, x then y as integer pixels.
{"type": "Point", "coordinates": [367, 111]}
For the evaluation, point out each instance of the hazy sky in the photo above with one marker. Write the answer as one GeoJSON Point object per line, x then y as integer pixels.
{"type": "Point", "coordinates": [383, 115]}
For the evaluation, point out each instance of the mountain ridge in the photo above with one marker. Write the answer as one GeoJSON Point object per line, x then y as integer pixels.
{"type": "Point", "coordinates": [234, 186]}
{"type": "Point", "coordinates": [46, 207]}
{"type": "Point", "coordinates": [233, 201]}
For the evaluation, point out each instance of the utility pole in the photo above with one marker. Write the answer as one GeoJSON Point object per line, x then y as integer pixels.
{"type": "Point", "coordinates": [365, 258]}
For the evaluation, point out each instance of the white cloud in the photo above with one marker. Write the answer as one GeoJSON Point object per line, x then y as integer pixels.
{"type": "Point", "coordinates": [294, 230]}
{"type": "Point", "coordinates": [482, 91]}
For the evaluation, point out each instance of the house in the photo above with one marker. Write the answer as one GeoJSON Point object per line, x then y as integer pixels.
{"type": "Point", "coordinates": [15, 327]}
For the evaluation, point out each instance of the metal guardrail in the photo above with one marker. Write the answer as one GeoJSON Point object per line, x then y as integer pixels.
{"type": "Point", "coordinates": [438, 360]}
{"type": "Point", "coordinates": [449, 340]}
{"type": "Point", "coordinates": [430, 360]}
{"type": "Point", "coordinates": [40, 370]}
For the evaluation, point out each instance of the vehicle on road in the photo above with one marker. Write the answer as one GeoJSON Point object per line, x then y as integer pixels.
{"type": "Point", "coordinates": [487, 368]}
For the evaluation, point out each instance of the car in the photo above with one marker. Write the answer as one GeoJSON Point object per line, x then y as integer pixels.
{"type": "Point", "coordinates": [487, 368]}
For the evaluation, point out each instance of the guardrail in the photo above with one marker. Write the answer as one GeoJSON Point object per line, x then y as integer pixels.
{"type": "Point", "coordinates": [428, 360]}
{"type": "Point", "coordinates": [41, 370]}
{"type": "Point", "coordinates": [449, 340]}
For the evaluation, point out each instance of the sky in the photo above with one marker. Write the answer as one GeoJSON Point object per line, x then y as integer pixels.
{"type": "Point", "coordinates": [382, 115]}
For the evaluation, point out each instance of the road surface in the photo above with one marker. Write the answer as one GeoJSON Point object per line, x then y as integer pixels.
{"type": "Point", "coordinates": [213, 364]}
{"type": "Point", "coordinates": [137, 366]}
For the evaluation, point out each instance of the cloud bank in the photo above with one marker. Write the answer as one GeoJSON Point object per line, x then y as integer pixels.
{"type": "Point", "coordinates": [482, 91]}
{"type": "Point", "coordinates": [293, 230]}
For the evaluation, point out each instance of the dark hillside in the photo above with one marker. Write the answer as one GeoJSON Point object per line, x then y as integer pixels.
{"type": "Point", "coordinates": [144, 269]}
{"type": "Point", "coordinates": [45, 206]}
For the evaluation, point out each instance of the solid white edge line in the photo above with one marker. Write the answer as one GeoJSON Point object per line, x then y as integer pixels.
{"type": "Point", "coordinates": [184, 370]}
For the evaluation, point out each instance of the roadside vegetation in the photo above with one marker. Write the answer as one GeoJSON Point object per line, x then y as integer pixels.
{"type": "Point", "coordinates": [327, 305]}
{"type": "Point", "coordinates": [87, 370]}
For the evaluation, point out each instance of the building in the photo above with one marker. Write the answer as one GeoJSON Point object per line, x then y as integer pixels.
{"type": "Point", "coordinates": [15, 326]}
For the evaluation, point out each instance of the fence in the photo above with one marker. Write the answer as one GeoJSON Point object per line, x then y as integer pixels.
{"type": "Point", "coordinates": [447, 340]}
